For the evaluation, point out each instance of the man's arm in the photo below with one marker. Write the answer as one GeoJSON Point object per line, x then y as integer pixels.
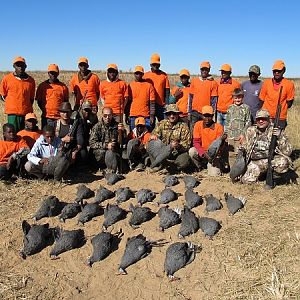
{"type": "Point", "coordinates": [95, 139]}
{"type": "Point", "coordinates": [34, 154]}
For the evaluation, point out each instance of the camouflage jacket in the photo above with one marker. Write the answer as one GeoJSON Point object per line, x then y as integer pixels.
{"type": "Point", "coordinates": [238, 119]}
{"type": "Point", "coordinates": [168, 133]}
{"type": "Point", "coordinates": [102, 134]}
{"type": "Point", "coordinates": [257, 143]}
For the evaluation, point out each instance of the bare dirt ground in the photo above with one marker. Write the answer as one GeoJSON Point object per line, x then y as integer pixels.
{"type": "Point", "coordinates": [254, 256]}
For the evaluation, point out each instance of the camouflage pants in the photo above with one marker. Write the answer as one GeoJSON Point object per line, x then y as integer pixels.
{"type": "Point", "coordinates": [255, 168]}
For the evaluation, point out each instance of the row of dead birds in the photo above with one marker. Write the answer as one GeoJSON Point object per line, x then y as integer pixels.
{"type": "Point", "coordinates": [179, 254]}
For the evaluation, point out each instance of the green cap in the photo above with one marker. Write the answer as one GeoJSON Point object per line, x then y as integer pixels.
{"type": "Point", "coordinates": [254, 69]}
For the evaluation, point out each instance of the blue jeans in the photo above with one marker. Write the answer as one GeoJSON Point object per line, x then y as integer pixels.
{"type": "Point", "coordinates": [132, 125]}
{"type": "Point", "coordinates": [221, 118]}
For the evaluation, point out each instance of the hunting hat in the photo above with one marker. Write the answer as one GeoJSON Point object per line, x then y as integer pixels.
{"type": "Point", "coordinates": [65, 107]}
{"type": "Point", "coordinates": [237, 92]}
{"type": "Point", "coordinates": [207, 110]}
{"type": "Point", "coordinates": [262, 113]}
{"type": "Point", "coordinates": [86, 105]}
{"type": "Point", "coordinates": [83, 60]}
{"type": "Point", "coordinates": [139, 69]}
{"type": "Point", "coordinates": [172, 108]}
{"type": "Point", "coordinates": [226, 68]}
{"type": "Point", "coordinates": [184, 72]}
{"type": "Point", "coordinates": [155, 59]}
{"type": "Point", "coordinates": [278, 65]}
{"type": "Point", "coordinates": [19, 59]}
{"type": "Point", "coordinates": [254, 69]}
{"type": "Point", "coordinates": [30, 116]}
{"type": "Point", "coordinates": [205, 64]}
{"type": "Point", "coordinates": [53, 68]}
{"type": "Point", "coordinates": [112, 66]}
{"type": "Point", "coordinates": [140, 121]}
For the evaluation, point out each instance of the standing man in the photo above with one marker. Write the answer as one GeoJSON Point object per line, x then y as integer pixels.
{"type": "Point", "coordinates": [252, 89]}
{"type": "Point", "coordinates": [17, 90]}
{"type": "Point", "coordinates": [85, 85]}
{"type": "Point", "coordinates": [203, 92]}
{"type": "Point", "coordinates": [269, 93]}
{"type": "Point", "coordinates": [50, 94]}
{"type": "Point", "coordinates": [159, 79]}
{"type": "Point", "coordinates": [114, 92]}
{"type": "Point", "coordinates": [226, 86]}
{"type": "Point", "coordinates": [180, 94]}
{"type": "Point", "coordinates": [141, 101]}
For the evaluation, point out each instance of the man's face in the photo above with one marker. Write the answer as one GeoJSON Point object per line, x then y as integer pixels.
{"type": "Point", "coordinates": [225, 74]}
{"type": "Point", "coordinates": [140, 128]}
{"type": "Point", "coordinates": [155, 67]}
{"type": "Point", "coordinates": [95, 109]}
{"type": "Point", "coordinates": [278, 74]}
{"type": "Point", "coordinates": [86, 113]}
{"type": "Point", "coordinates": [9, 134]}
{"type": "Point", "coordinates": [52, 76]}
{"type": "Point", "coordinates": [184, 80]}
{"type": "Point", "coordinates": [262, 123]}
{"type": "Point", "coordinates": [172, 117]}
{"type": "Point", "coordinates": [238, 100]}
{"type": "Point", "coordinates": [20, 68]}
{"type": "Point", "coordinates": [208, 119]}
{"type": "Point", "coordinates": [31, 123]}
{"type": "Point", "coordinates": [83, 67]}
{"type": "Point", "coordinates": [49, 136]}
{"type": "Point", "coordinates": [107, 116]}
{"type": "Point", "coordinates": [112, 74]}
{"type": "Point", "coordinates": [138, 76]}
{"type": "Point", "coordinates": [204, 72]}
{"type": "Point", "coordinates": [65, 115]}
{"type": "Point", "coordinates": [253, 76]}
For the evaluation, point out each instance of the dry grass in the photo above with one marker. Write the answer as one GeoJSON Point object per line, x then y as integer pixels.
{"type": "Point", "coordinates": [254, 256]}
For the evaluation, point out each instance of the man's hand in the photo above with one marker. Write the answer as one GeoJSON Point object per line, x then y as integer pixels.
{"type": "Point", "coordinates": [276, 131]}
{"type": "Point", "coordinates": [178, 94]}
{"type": "Point", "coordinates": [153, 137]}
{"type": "Point", "coordinates": [44, 161]}
{"type": "Point", "coordinates": [74, 154]}
{"type": "Point", "coordinates": [111, 145]}
{"type": "Point", "coordinates": [67, 139]}
{"type": "Point", "coordinates": [241, 139]}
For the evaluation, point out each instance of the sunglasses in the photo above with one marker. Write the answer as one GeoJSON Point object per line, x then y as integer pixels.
{"type": "Point", "coordinates": [171, 113]}
{"type": "Point", "coordinates": [262, 119]}
{"type": "Point", "coordinates": [107, 115]}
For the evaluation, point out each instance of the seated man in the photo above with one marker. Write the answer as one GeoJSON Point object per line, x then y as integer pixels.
{"type": "Point", "coordinates": [88, 119]}
{"type": "Point", "coordinates": [70, 131]}
{"type": "Point", "coordinates": [206, 132]}
{"type": "Point", "coordinates": [31, 132]}
{"type": "Point", "coordinates": [257, 144]}
{"type": "Point", "coordinates": [175, 133]}
{"type": "Point", "coordinates": [45, 148]}
{"type": "Point", "coordinates": [137, 139]}
{"type": "Point", "coordinates": [104, 144]}
{"type": "Point", "coordinates": [13, 151]}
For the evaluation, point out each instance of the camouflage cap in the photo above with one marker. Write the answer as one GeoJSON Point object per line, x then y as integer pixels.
{"type": "Point", "coordinates": [262, 113]}
{"type": "Point", "coordinates": [172, 108]}
{"type": "Point", "coordinates": [254, 69]}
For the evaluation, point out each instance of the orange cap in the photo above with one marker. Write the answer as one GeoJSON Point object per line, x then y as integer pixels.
{"type": "Point", "coordinates": [83, 60]}
{"type": "Point", "coordinates": [30, 116]}
{"type": "Point", "coordinates": [155, 59]}
{"type": "Point", "coordinates": [278, 65]}
{"type": "Point", "coordinates": [53, 68]}
{"type": "Point", "coordinates": [139, 69]}
{"type": "Point", "coordinates": [207, 109]}
{"type": "Point", "coordinates": [226, 68]}
{"type": "Point", "coordinates": [205, 64]}
{"type": "Point", "coordinates": [112, 66]}
{"type": "Point", "coordinates": [19, 58]}
{"type": "Point", "coordinates": [139, 121]}
{"type": "Point", "coordinates": [184, 72]}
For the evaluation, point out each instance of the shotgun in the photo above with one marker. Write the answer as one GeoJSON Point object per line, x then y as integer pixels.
{"type": "Point", "coordinates": [270, 179]}
{"type": "Point", "coordinates": [120, 134]}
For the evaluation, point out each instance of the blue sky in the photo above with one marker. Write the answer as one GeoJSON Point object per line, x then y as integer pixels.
{"type": "Point", "coordinates": [184, 33]}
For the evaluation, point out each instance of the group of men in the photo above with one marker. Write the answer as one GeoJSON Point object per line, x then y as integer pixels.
{"type": "Point", "coordinates": [169, 129]}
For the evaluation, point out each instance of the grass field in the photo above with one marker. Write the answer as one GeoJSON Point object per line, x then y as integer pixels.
{"type": "Point", "coordinates": [255, 255]}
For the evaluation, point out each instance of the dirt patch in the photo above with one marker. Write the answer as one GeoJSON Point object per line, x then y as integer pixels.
{"type": "Point", "coordinates": [254, 256]}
